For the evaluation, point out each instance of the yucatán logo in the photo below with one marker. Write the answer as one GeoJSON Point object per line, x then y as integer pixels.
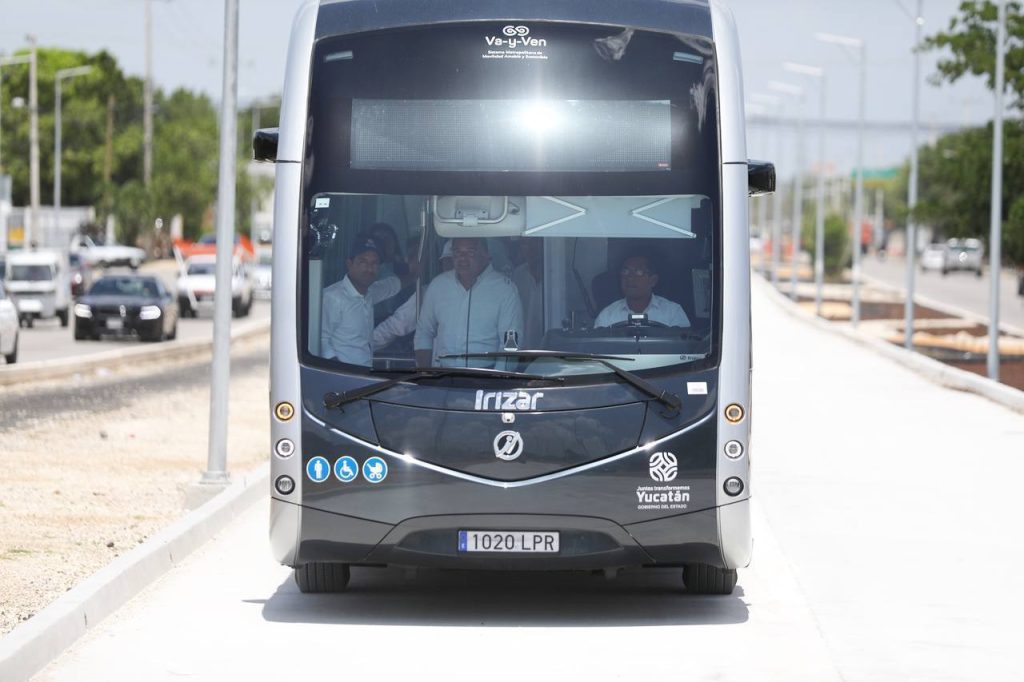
{"type": "Point", "coordinates": [515, 36]}
{"type": "Point", "coordinates": [664, 466]}
{"type": "Point", "coordinates": [508, 445]}
{"type": "Point", "coordinates": [507, 401]}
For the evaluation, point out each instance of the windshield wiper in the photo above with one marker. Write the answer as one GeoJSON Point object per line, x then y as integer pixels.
{"type": "Point", "coordinates": [334, 400]}
{"type": "Point", "coordinates": [667, 398]}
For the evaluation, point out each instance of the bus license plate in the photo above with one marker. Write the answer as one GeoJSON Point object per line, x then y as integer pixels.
{"type": "Point", "coordinates": [508, 541]}
{"type": "Point", "coordinates": [115, 324]}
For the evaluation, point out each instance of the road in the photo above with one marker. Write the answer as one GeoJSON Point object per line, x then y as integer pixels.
{"type": "Point", "coordinates": [884, 550]}
{"type": "Point", "coordinates": [962, 290]}
{"type": "Point", "coordinates": [47, 340]}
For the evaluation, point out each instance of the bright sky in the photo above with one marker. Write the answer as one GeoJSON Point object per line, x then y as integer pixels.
{"type": "Point", "coordinates": [188, 37]}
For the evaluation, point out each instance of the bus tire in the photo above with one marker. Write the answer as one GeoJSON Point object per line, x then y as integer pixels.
{"type": "Point", "coordinates": [321, 577]}
{"type": "Point", "coordinates": [705, 579]}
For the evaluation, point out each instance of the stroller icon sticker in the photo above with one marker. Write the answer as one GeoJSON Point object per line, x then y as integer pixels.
{"type": "Point", "coordinates": [375, 470]}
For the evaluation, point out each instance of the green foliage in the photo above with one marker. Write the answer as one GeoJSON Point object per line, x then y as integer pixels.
{"type": "Point", "coordinates": [837, 241]}
{"type": "Point", "coordinates": [185, 146]}
{"type": "Point", "coordinates": [956, 186]}
{"type": "Point", "coordinates": [971, 42]}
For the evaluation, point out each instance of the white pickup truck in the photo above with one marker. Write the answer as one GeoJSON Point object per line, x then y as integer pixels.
{"type": "Point", "coordinates": [197, 285]}
{"type": "Point", "coordinates": [105, 255]}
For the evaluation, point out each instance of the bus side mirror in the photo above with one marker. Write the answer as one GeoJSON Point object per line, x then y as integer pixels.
{"type": "Point", "coordinates": [264, 145]}
{"type": "Point", "coordinates": [760, 178]}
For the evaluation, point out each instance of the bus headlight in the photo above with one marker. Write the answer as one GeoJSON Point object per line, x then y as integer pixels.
{"type": "Point", "coordinates": [734, 413]}
{"type": "Point", "coordinates": [82, 310]}
{"type": "Point", "coordinates": [150, 312]}
{"type": "Point", "coordinates": [284, 411]}
{"type": "Point", "coordinates": [733, 486]}
{"type": "Point", "coordinates": [284, 448]}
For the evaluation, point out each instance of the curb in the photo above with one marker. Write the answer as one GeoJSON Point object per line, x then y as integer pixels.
{"type": "Point", "coordinates": [31, 646]}
{"type": "Point", "coordinates": [933, 370]}
{"type": "Point", "coordinates": [168, 350]}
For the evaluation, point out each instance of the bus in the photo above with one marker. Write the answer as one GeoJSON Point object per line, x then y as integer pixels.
{"type": "Point", "coordinates": [545, 205]}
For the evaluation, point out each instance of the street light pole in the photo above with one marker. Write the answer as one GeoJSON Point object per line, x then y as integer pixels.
{"type": "Point", "coordinates": [995, 238]}
{"type": "Point", "coordinates": [819, 212]}
{"type": "Point", "coordinates": [58, 135]}
{"type": "Point", "coordinates": [911, 248]}
{"type": "Point", "coordinates": [33, 153]}
{"type": "Point", "coordinates": [798, 181]}
{"type": "Point", "coordinates": [216, 469]}
{"type": "Point", "coordinates": [8, 61]}
{"type": "Point", "coordinates": [147, 101]}
{"type": "Point", "coordinates": [858, 201]}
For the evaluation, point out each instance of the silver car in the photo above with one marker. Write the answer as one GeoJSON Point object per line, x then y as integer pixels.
{"type": "Point", "coordinates": [933, 257]}
{"type": "Point", "coordinates": [964, 254]}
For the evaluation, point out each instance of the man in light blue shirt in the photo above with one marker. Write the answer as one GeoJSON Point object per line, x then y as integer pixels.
{"type": "Point", "coordinates": [467, 310]}
{"type": "Point", "coordinates": [347, 322]}
{"type": "Point", "coordinates": [638, 279]}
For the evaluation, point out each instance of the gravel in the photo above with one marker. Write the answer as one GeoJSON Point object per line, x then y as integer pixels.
{"type": "Point", "coordinates": [91, 469]}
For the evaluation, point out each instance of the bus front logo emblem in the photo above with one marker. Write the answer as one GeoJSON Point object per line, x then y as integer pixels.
{"type": "Point", "coordinates": [664, 466]}
{"type": "Point", "coordinates": [508, 445]}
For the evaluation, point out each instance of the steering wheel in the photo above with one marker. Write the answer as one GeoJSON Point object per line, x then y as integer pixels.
{"type": "Point", "coordinates": [648, 323]}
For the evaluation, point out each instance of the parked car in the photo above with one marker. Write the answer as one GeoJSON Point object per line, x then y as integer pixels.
{"type": "Point", "coordinates": [81, 275]}
{"type": "Point", "coordinates": [122, 305]}
{"type": "Point", "coordinates": [38, 281]}
{"type": "Point", "coordinates": [197, 286]}
{"type": "Point", "coordinates": [933, 257]}
{"type": "Point", "coordinates": [95, 253]}
{"type": "Point", "coordinates": [964, 254]}
{"type": "Point", "coordinates": [8, 327]}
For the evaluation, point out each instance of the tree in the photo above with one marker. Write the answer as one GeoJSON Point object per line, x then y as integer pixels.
{"type": "Point", "coordinates": [185, 146]}
{"type": "Point", "coordinates": [971, 40]}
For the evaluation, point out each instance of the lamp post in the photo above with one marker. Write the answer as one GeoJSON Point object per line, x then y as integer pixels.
{"type": "Point", "coordinates": [858, 202]}
{"type": "Point", "coordinates": [765, 101]}
{"type": "Point", "coordinates": [995, 236]}
{"type": "Point", "coordinates": [798, 181]}
{"type": "Point", "coordinates": [61, 76]}
{"type": "Point", "coordinates": [911, 248]}
{"type": "Point", "coordinates": [819, 199]}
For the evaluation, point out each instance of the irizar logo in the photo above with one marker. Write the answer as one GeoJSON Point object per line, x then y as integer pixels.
{"type": "Point", "coordinates": [507, 401]}
{"type": "Point", "coordinates": [517, 36]}
{"type": "Point", "coordinates": [664, 466]}
{"type": "Point", "coordinates": [508, 445]}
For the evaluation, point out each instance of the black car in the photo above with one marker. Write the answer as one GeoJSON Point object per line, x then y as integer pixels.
{"type": "Point", "coordinates": [124, 305]}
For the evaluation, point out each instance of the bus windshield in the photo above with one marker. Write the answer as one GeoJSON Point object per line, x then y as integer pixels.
{"type": "Point", "coordinates": [480, 188]}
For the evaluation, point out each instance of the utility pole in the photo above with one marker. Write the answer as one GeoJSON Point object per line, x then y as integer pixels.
{"type": "Point", "coordinates": [216, 469]}
{"type": "Point", "coordinates": [996, 225]}
{"type": "Point", "coordinates": [147, 107]}
{"type": "Point", "coordinates": [911, 248]}
{"type": "Point", "coordinates": [58, 138]}
{"type": "Point", "coordinates": [33, 136]}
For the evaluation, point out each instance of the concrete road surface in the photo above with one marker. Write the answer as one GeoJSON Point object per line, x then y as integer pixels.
{"type": "Point", "coordinates": [961, 290]}
{"type": "Point", "coordinates": [886, 548]}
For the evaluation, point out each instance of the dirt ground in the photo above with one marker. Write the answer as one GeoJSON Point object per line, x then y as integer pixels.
{"type": "Point", "coordinates": [84, 485]}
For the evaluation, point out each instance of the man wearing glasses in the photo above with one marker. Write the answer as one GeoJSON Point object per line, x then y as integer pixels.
{"type": "Point", "coordinates": [638, 278]}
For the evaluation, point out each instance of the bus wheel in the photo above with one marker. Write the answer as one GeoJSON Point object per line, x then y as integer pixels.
{"type": "Point", "coordinates": [322, 577]}
{"type": "Point", "coordinates": [705, 579]}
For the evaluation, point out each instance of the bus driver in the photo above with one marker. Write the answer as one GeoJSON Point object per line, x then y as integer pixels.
{"type": "Point", "coordinates": [468, 309]}
{"type": "Point", "coordinates": [638, 278]}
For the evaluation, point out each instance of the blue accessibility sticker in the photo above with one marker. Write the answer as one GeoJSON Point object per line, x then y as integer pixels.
{"type": "Point", "coordinates": [346, 469]}
{"type": "Point", "coordinates": [375, 470]}
{"type": "Point", "coordinates": [318, 469]}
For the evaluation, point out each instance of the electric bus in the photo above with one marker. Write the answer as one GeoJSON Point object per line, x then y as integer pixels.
{"type": "Point", "coordinates": [574, 394]}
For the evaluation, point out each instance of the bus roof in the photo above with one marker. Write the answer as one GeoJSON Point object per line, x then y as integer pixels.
{"type": "Point", "coordinates": [339, 17]}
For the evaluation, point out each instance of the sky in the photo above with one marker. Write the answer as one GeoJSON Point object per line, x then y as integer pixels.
{"type": "Point", "coordinates": [188, 39]}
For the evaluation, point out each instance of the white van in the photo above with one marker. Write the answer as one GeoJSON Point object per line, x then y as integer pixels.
{"type": "Point", "coordinates": [38, 281]}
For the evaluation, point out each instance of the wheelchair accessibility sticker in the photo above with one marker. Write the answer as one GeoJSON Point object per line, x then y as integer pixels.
{"type": "Point", "coordinates": [375, 470]}
{"type": "Point", "coordinates": [346, 469]}
{"type": "Point", "coordinates": [318, 469]}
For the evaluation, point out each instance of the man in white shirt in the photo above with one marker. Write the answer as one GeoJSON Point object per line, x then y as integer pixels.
{"type": "Point", "coordinates": [638, 279]}
{"type": "Point", "coordinates": [403, 320]}
{"type": "Point", "coordinates": [347, 320]}
{"type": "Point", "coordinates": [469, 309]}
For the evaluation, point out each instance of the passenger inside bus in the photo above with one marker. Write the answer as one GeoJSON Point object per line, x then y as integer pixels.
{"type": "Point", "coordinates": [470, 309]}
